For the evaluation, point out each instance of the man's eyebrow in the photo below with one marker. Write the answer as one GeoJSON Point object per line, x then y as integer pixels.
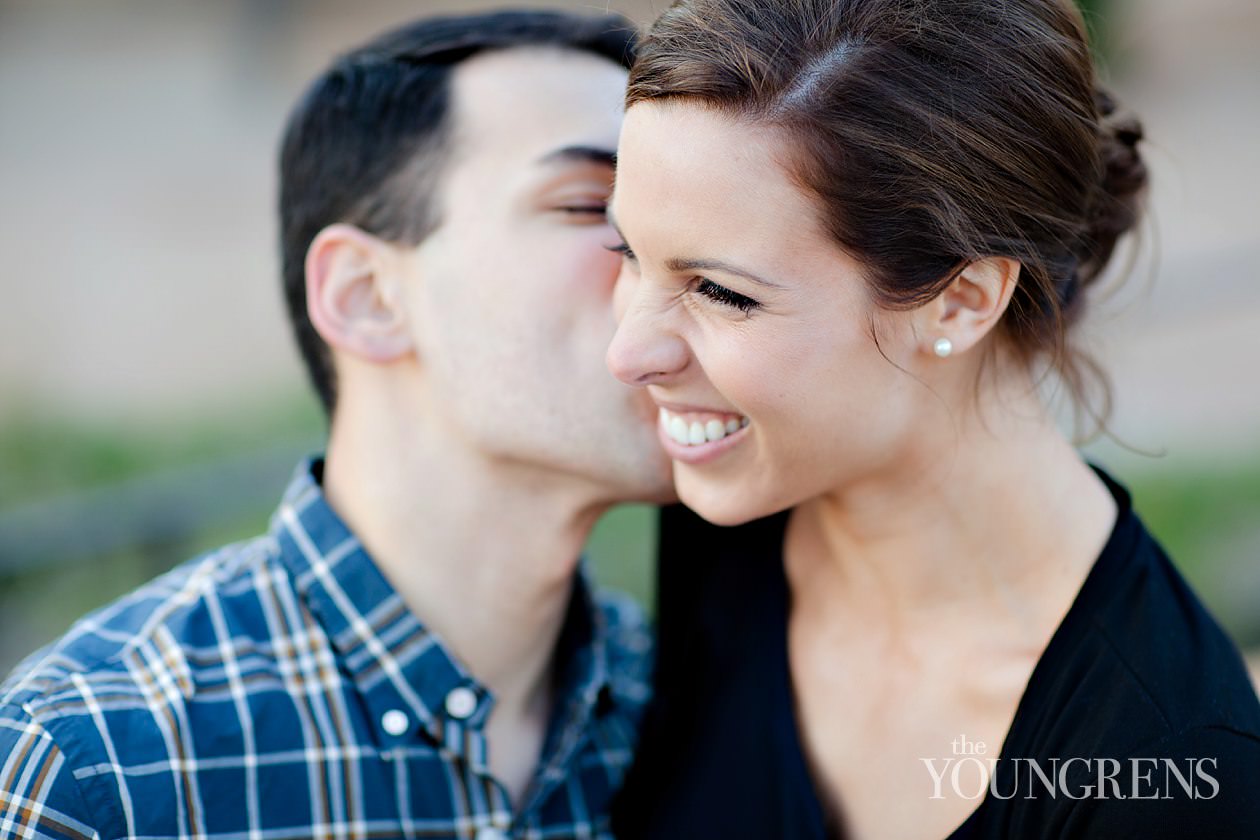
{"type": "Point", "coordinates": [680, 265]}
{"type": "Point", "coordinates": [581, 154]}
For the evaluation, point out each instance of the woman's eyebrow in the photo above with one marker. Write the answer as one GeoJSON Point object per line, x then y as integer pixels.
{"type": "Point", "coordinates": [679, 265]}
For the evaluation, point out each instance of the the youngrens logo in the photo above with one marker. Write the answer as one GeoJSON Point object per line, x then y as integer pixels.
{"type": "Point", "coordinates": [970, 774]}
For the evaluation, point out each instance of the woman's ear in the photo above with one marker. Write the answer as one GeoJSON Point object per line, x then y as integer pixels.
{"type": "Point", "coordinates": [969, 307]}
{"type": "Point", "coordinates": [352, 297]}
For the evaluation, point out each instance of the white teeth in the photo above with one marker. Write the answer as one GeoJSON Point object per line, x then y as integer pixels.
{"type": "Point", "coordinates": [678, 430]}
{"type": "Point", "coordinates": [696, 433]}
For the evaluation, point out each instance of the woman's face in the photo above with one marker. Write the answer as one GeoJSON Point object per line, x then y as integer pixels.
{"type": "Point", "coordinates": [751, 329]}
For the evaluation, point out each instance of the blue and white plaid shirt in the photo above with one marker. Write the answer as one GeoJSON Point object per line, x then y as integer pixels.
{"type": "Point", "coordinates": [280, 689]}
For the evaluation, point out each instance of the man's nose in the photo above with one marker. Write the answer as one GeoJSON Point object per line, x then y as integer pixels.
{"type": "Point", "coordinates": [645, 349]}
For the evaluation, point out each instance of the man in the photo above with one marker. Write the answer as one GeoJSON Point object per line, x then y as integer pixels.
{"type": "Point", "coordinates": [410, 651]}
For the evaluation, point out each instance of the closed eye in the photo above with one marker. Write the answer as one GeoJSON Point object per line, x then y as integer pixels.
{"type": "Point", "coordinates": [724, 296]}
{"type": "Point", "coordinates": [585, 209]}
{"type": "Point", "coordinates": [623, 249]}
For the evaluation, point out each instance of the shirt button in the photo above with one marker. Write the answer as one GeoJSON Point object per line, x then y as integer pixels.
{"type": "Point", "coordinates": [395, 722]}
{"type": "Point", "coordinates": [460, 703]}
{"type": "Point", "coordinates": [491, 834]}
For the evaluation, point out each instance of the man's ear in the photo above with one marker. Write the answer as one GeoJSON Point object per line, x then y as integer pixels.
{"type": "Point", "coordinates": [352, 297]}
{"type": "Point", "coordinates": [969, 307]}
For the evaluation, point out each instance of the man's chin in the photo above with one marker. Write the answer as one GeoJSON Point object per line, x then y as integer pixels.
{"type": "Point", "coordinates": [666, 495]}
{"type": "Point", "coordinates": [645, 477]}
{"type": "Point", "coordinates": [641, 490]}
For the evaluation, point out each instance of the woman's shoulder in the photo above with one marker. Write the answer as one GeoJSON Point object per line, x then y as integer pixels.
{"type": "Point", "coordinates": [1140, 719]}
{"type": "Point", "coordinates": [1139, 659]}
{"type": "Point", "coordinates": [1199, 782]}
{"type": "Point", "coordinates": [1162, 635]}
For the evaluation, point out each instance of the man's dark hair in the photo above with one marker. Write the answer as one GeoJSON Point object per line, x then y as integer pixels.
{"type": "Point", "coordinates": [366, 142]}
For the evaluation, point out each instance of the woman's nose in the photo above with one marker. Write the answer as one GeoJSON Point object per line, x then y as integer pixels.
{"type": "Point", "coordinates": [645, 349]}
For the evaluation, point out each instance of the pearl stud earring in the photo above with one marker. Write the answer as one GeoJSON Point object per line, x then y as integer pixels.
{"type": "Point", "coordinates": [943, 347]}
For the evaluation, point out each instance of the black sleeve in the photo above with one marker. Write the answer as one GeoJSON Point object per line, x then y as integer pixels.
{"type": "Point", "coordinates": [1223, 802]}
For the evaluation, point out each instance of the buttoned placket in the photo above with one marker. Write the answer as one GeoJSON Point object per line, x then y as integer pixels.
{"type": "Point", "coordinates": [590, 701]}
{"type": "Point", "coordinates": [465, 711]}
{"type": "Point", "coordinates": [457, 728]}
{"type": "Point", "coordinates": [416, 694]}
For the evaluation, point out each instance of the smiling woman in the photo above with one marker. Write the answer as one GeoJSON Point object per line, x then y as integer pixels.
{"type": "Point", "coordinates": [864, 230]}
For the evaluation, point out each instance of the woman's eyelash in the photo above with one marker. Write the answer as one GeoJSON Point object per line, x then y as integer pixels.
{"type": "Point", "coordinates": [725, 296]}
{"type": "Point", "coordinates": [706, 287]}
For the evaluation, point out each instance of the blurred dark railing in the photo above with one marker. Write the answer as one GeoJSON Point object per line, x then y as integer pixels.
{"type": "Point", "coordinates": [65, 555]}
{"type": "Point", "coordinates": [151, 510]}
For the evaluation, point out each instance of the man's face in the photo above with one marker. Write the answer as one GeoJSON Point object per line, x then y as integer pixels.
{"type": "Point", "coordinates": [510, 297]}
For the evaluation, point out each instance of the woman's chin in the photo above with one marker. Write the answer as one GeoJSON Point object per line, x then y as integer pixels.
{"type": "Point", "coordinates": [725, 505]}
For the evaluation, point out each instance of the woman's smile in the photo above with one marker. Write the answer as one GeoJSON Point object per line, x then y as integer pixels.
{"type": "Point", "coordinates": [696, 436]}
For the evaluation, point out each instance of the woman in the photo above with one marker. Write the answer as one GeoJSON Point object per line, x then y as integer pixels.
{"type": "Point", "coordinates": [857, 236]}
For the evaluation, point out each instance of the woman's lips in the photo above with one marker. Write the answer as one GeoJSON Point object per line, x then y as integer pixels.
{"type": "Point", "coordinates": [695, 437]}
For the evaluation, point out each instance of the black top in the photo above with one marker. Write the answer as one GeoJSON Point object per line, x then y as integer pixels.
{"type": "Point", "coordinates": [1136, 670]}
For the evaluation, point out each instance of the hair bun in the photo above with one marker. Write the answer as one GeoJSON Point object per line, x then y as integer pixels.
{"type": "Point", "coordinates": [1117, 202]}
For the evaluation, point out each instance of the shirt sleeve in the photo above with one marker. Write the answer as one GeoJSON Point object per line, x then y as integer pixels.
{"type": "Point", "coordinates": [39, 796]}
{"type": "Point", "coordinates": [1218, 765]}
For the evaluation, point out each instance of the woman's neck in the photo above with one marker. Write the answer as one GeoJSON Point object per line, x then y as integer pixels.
{"type": "Point", "coordinates": [1003, 520]}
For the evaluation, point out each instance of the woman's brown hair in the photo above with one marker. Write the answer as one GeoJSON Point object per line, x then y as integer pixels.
{"type": "Point", "coordinates": [932, 133]}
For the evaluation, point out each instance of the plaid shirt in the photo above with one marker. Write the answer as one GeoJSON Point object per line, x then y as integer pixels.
{"type": "Point", "coordinates": [280, 689]}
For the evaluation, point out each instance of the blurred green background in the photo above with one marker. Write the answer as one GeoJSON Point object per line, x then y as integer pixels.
{"type": "Point", "coordinates": [151, 406]}
{"type": "Point", "coordinates": [180, 489]}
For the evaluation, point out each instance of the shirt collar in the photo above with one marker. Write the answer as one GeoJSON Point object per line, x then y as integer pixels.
{"type": "Point", "coordinates": [395, 662]}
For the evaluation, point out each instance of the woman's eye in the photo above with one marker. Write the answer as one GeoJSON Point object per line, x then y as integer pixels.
{"type": "Point", "coordinates": [726, 297]}
{"type": "Point", "coordinates": [623, 249]}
